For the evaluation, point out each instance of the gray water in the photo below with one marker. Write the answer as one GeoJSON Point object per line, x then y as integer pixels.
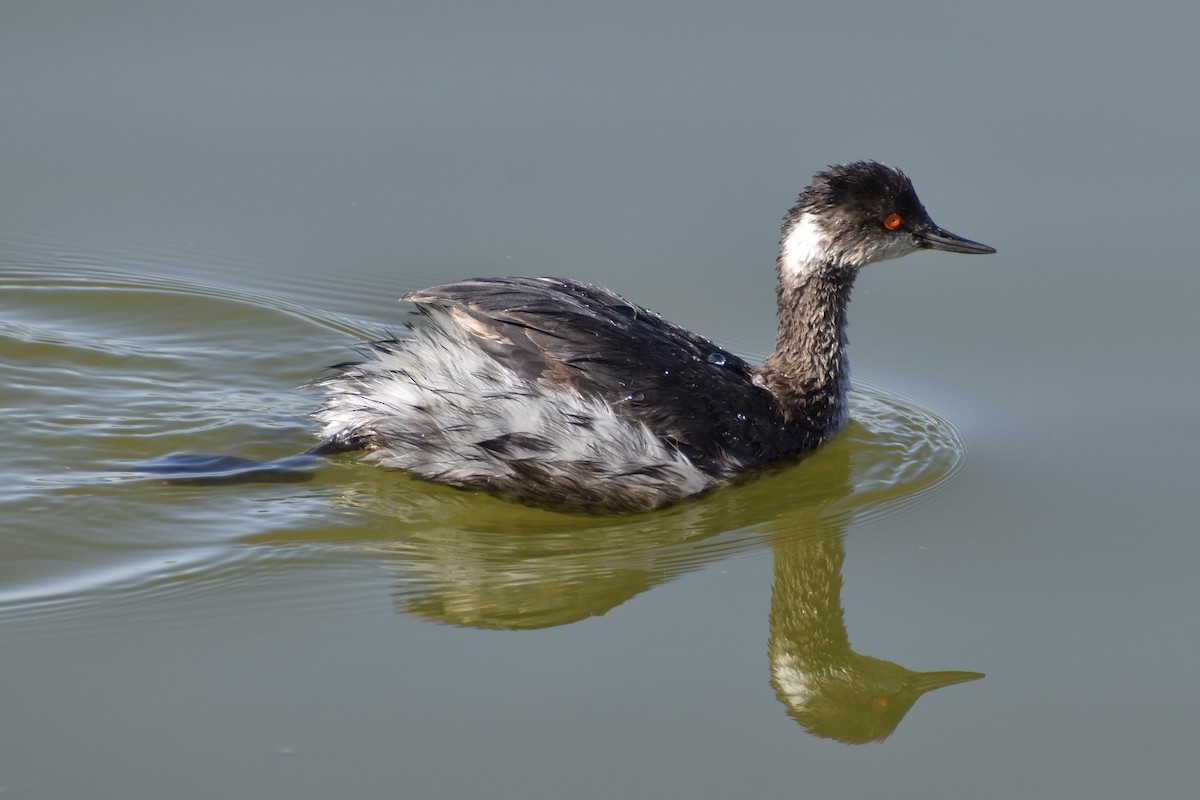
{"type": "Point", "coordinates": [202, 205]}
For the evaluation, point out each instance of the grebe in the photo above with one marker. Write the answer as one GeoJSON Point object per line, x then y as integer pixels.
{"type": "Point", "coordinates": [565, 394]}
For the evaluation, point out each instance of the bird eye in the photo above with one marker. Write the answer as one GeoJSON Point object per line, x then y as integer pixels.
{"type": "Point", "coordinates": [893, 222]}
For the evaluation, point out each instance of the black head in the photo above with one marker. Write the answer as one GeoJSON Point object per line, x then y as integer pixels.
{"type": "Point", "coordinates": [856, 214]}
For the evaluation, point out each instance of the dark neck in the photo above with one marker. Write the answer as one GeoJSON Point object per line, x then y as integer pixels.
{"type": "Point", "coordinates": [807, 621]}
{"type": "Point", "coordinates": [808, 373]}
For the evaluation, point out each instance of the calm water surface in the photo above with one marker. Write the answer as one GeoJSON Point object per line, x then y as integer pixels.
{"type": "Point", "coordinates": [203, 205]}
{"type": "Point", "coordinates": [123, 373]}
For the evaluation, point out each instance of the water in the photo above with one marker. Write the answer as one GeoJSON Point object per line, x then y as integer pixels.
{"type": "Point", "coordinates": [204, 205]}
{"type": "Point", "coordinates": [110, 365]}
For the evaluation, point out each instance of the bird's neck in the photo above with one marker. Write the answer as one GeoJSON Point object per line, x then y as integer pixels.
{"type": "Point", "coordinates": [806, 600]}
{"type": "Point", "coordinates": [808, 373]}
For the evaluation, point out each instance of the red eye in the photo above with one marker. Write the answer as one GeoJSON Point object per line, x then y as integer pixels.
{"type": "Point", "coordinates": [893, 222]}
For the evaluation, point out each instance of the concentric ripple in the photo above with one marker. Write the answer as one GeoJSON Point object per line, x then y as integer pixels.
{"type": "Point", "coordinates": [104, 370]}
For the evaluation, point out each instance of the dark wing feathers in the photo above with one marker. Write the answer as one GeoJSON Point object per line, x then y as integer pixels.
{"type": "Point", "coordinates": [683, 387]}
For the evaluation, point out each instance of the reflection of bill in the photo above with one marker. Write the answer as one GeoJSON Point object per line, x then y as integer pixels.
{"type": "Point", "coordinates": [471, 560]}
{"type": "Point", "coordinates": [830, 689]}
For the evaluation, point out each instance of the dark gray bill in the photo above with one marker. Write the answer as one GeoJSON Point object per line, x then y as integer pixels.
{"type": "Point", "coordinates": [937, 239]}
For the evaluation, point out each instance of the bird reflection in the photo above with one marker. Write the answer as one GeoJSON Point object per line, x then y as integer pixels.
{"type": "Point", "coordinates": [827, 687]}
{"type": "Point", "coordinates": [462, 559]}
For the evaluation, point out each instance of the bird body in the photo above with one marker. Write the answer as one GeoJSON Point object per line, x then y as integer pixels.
{"type": "Point", "coordinates": [565, 394]}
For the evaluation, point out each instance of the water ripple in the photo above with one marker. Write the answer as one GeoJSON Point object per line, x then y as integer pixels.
{"type": "Point", "coordinates": [105, 369]}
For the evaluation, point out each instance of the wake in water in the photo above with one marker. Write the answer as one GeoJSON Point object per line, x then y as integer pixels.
{"type": "Point", "coordinates": [189, 469]}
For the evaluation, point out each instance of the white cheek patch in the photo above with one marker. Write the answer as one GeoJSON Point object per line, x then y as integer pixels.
{"type": "Point", "coordinates": [792, 679]}
{"type": "Point", "coordinates": [806, 243]}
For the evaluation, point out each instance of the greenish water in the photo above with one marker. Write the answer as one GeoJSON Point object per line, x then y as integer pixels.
{"type": "Point", "coordinates": [204, 205]}
{"type": "Point", "coordinates": [115, 372]}
{"type": "Point", "coordinates": [110, 369]}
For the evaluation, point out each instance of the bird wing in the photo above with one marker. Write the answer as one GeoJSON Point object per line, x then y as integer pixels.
{"type": "Point", "coordinates": [689, 392]}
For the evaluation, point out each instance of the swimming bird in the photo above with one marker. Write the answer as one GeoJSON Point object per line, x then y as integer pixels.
{"type": "Point", "coordinates": [567, 395]}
